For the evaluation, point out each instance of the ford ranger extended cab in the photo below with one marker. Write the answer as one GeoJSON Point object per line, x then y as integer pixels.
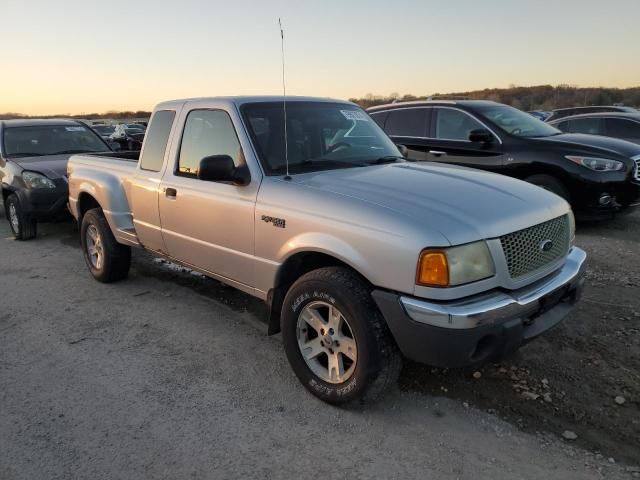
{"type": "Point", "coordinates": [362, 257]}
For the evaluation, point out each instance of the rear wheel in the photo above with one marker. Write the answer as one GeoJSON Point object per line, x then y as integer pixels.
{"type": "Point", "coordinates": [335, 338]}
{"type": "Point", "coordinates": [22, 226]}
{"type": "Point", "coordinates": [108, 261]}
{"type": "Point", "coordinates": [551, 184]}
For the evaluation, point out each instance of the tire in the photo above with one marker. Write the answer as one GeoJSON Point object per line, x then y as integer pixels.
{"type": "Point", "coordinates": [376, 363]}
{"type": "Point", "coordinates": [107, 260]}
{"type": "Point", "coordinates": [23, 227]}
{"type": "Point", "coordinates": [549, 183]}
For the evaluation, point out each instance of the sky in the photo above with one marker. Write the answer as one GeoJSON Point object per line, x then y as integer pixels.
{"type": "Point", "coordinates": [74, 57]}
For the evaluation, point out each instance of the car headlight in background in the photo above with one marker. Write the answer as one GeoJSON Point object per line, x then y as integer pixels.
{"type": "Point", "coordinates": [37, 180]}
{"type": "Point", "coordinates": [597, 164]}
{"type": "Point", "coordinates": [453, 266]}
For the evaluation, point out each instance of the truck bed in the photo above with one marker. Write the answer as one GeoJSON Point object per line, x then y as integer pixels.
{"type": "Point", "coordinates": [99, 173]}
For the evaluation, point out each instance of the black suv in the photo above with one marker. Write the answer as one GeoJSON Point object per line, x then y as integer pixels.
{"type": "Point", "coordinates": [597, 175]}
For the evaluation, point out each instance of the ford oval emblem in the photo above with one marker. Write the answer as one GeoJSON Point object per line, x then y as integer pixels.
{"type": "Point", "coordinates": [546, 245]}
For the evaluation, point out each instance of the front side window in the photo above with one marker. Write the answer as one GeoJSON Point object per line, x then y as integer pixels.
{"type": "Point", "coordinates": [407, 122]}
{"type": "Point", "coordinates": [620, 128]}
{"type": "Point", "coordinates": [42, 140]}
{"type": "Point", "coordinates": [591, 126]}
{"type": "Point", "coordinates": [156, 140]}
{"type": "Point", "coordinates": [516, 122]}
{"type": "Point", "coordinates": [451, 124]}
{"type": "Point", "coordinates": [320, 136]}
{"type": "Point", "coordinates": [207, 133]}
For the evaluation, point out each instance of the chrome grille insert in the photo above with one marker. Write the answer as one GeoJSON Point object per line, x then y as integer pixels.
{"type": "Point", "coordinates": [529, 250]}
{"type": "Point", "coordinates": [637, 172]}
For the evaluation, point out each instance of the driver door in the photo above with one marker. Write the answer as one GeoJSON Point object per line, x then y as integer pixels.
{"type": "Point", "coordinates": [449, 141]}
{"type": "Point", "coordinates": [207, 224]}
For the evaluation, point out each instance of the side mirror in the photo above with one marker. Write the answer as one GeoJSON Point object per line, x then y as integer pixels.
{"type": "Point", "coordinates": [480, 135]}
{"type": "Point", "coordinates": [403, 150]}
{"type": "Point", "coordinates": [115, 146]}
{"type": "Point", "coordinates": [220, 168]}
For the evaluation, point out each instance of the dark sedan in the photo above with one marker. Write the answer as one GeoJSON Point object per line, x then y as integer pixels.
{"type": "Point", "coordinates": [33, 168]}
{"type": "Point", "coordinates": [625, 126]}
{"type": "Point", "coordinates": [597, 175]}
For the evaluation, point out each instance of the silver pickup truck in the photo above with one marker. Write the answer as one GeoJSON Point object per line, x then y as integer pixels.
{"type": "Point", "coordinates": [362, 257]}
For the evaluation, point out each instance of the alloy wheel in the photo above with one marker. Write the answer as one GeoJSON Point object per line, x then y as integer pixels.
{"type": "Point", "coordinates": [326, 342]}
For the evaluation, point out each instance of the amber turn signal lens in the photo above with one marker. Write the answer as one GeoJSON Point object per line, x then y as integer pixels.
{"type": "Point", "coordinates": [433, 270]}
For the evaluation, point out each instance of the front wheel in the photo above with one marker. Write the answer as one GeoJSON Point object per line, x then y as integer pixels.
{"type": "Point", "coordinates": [552, 184]}
{"type": "Point", "coordinates": [22, 226]}
{"type": "Point", "coordinates": [335, 338]}
{"type": "Point", "coordinates": [108, 261]}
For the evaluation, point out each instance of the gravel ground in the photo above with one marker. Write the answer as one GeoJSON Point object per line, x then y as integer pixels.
{"type": "Point", "coordinates": [170, 375]}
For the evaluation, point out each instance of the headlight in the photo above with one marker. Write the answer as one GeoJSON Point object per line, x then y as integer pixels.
{"type": "Point", "coordinates": [597, 164]}
{"type": "Point", "coordinates": [37, 180]}
{"type": "Point", "coordinates": [455, 266]}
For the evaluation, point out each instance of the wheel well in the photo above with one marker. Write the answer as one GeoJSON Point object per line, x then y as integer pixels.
{"type": "Point", "coordinates": [85, 203]}
{"type": "Point", "coordinates": [292, 269]}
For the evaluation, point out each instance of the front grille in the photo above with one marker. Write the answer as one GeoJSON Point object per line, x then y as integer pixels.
{"type": "Point", "coordinates": [523, 249]}
{"type": "Point", "coordinates": [637, 172]}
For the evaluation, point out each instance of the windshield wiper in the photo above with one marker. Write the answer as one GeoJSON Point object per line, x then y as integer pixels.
{"type": "Point", "coordinates": [386, 159]}
{"type": "Point", "coordinates": [62, 152]}
{"type": "Point", "coordinates": [25, 154]}
{"type": "Point", "coordinates": [318, 165]}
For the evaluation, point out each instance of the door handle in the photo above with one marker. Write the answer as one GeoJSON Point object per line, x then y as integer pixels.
{"type": "Point", "coordinates": [437, 153]}
{"type": "Point", "coordinates": [170, 192]}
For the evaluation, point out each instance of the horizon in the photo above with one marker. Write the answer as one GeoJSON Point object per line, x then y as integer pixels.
{"type": "Point", "coordinates": [116, 113]}
{"type": "Point", "coordinates": [139, 60]}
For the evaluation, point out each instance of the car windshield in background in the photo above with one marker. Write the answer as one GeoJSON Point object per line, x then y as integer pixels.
{"type": "Point", "coordinates": [516, 122]}
{"type": "Point", "coordinates": [320, 136]}
{"type": "Point", "coordinates": [50, 140]}
{"type": "Point", "coordinates": [134, 131]}
{"type": "Point", "coordinates": [103, 130]}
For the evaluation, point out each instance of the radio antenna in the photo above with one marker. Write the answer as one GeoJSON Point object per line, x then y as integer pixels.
{"type": "Point", "coordinates": [284, 104]}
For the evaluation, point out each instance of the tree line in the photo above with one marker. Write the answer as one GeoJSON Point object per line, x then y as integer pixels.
{"type": "Point", "coordinates": [87, 116]}
{"type": "Point", "coordinates": [541, 97]}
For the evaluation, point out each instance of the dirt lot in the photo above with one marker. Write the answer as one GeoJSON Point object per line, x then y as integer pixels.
{"type": "Point", "coordinates": [170, 375]}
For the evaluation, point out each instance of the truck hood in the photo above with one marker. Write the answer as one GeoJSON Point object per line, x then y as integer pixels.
{"type": "Point", "coordinates": [52, 166]}
{"type": "Point", "coordinates": [462, 204]}
{"type": "Point", "coordinates": [593, 143]}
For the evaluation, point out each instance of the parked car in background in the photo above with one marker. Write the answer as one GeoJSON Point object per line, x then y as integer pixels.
{"type": "Point", "coordinates": [567, 112]}
{"type": "Point", "coordinates": [360, 255]}
{"type": "Point", "coordinates": [33, 168]}
{"type": "Point", "coordinates": [105, 131]}
{"type": "Point", "coordinates": [597, 175]}
{"type": "Point", "coordinates": [540, 114]}
{"type": "Point", "coordinates": [625, 126]}
{"type": "Point", "coordinates": [129, 136]}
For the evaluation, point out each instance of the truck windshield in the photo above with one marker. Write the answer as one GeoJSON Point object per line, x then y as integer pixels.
{"type": "Point", "coordinates": [516, 122]}
{"type": "Point", "coordinates": [320, 136]}
{"type": "Point", "coordinates": [42, 140]}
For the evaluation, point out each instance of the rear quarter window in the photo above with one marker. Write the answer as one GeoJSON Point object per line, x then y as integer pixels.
{"type": "Point", "coordinates": [155, 143]}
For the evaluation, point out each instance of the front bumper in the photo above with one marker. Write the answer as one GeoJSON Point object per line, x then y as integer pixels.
{"type": "Point", "coordinates": [44, 204]}
{"type": "Point", "coordinates": [483, 327]}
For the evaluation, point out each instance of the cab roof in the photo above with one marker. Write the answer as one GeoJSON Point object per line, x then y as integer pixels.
{"type": "Point", "coordinates": [240, 100]}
